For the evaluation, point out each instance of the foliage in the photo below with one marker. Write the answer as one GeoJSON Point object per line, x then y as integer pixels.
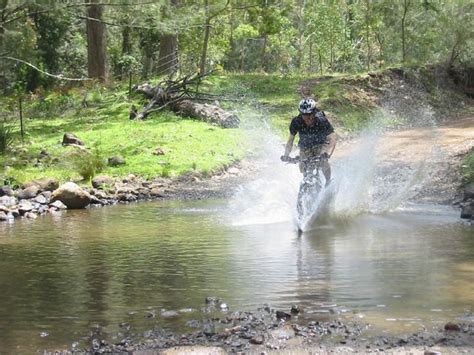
{"type": "Point", "coordinates": [86, 163]}
{"type": "Point", "coordinates": [468, 167]}
{"type": "Point", "coordinates": [6, 138]}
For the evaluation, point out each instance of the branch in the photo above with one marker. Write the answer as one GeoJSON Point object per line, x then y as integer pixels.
{"type": "Point", "coordinates": [58, 76]}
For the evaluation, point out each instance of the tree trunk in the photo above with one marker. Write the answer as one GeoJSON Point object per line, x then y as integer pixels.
{"type": "Point", "coordinates": [406, 4]}
{"type": "Point", "coordinates": [367, 32]}
{"type": "Point", "coordinates": [320, 57]}
{"type": "Point", "coordinates": [168, 59]}
{"type": "Point", "coordinates": [96, 42]}
{"type": "Point", "coordinates": [263, 65]}
{"type": "Point", "coordinates": [126, 40]}
{"type": "Point", "coordinates": [207, 30]}
{"type": "Point", "coordinates": [242, 55]}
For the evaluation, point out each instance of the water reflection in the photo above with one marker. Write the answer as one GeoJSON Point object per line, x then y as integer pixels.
{"type": "Point", "coordinates": [64, 275]}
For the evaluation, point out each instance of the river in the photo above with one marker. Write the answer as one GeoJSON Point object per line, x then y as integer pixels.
{"type": "Point", "coordinates": [62, 276]}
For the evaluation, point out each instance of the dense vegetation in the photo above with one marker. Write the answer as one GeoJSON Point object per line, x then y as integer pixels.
{"type": "Point", "coordinates": [67, 67]}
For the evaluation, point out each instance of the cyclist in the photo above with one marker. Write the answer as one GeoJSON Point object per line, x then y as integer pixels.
{"type": "Point", "coordinates": [316, 136]}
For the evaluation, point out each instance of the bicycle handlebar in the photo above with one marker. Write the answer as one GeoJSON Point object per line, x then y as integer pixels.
{"type": "Point", "coordinates": [297, 159]}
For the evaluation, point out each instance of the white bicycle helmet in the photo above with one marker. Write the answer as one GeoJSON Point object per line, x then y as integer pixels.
{"type": "Point", "coordinates": [307, 106]}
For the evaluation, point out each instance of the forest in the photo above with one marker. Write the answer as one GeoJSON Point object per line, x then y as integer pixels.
{"type": "Point", "coordinates": [45, 44]}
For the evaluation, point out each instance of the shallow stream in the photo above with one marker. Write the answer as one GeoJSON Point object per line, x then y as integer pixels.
{"type": "Point", "coordinates": [62, 276]}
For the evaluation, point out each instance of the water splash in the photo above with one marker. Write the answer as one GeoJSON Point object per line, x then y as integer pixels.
{"type": "Point", "coordinates": [363, 181]}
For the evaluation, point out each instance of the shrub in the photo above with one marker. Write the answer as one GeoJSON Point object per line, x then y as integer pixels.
{"type": "Point", "coordinates": [6, 138]}
{"type": "Point", "coordinates": [87, 163]}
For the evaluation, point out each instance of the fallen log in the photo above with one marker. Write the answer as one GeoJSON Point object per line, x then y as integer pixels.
{"type": "Point", "coordinates": [206, 112]}
{"type": "Point", "coordinates": [176, 96]}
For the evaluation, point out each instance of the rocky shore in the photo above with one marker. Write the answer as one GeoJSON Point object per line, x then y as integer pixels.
{"type": "Point", "coordinates": [267, 331]}
{"type": "Point", "coordinates": [43, 196]}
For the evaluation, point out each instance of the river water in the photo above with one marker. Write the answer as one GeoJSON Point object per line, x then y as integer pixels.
{"type": "Point", "coordinates": [62, 276]}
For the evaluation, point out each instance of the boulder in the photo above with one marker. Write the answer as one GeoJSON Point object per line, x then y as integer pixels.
{"type": "Point", "coordinates": [467, 211]}
{"type": "Point", "coordinates": [71, 139]}
{"type": "Point", "coordinates": [469, 191]}
{"type": "Point", "coordinates": [116, 161]}
{"type": "Point", "coordinates": [71, 195]}
{"type": "Point", "coordinates": [156, 192]}
{"type": "Point", "coordinates": [31, 215]}
{"type": "Point", "coordinates": [99, 181]}
{"type": "Point", "coordinates": [24, 207]}
{"type": "Point", "coordinates": [41, 200]}
{"type": "Point", "coordinates": [3, 216]}
{"type": "Point", "coordinates": [29, 192]}
{"type": "Point", "coordinates": [44, 184]}
{"type": "Point", "coordinates": [6, 191]}
{"type": "Point", "coordinates": [8, 201]}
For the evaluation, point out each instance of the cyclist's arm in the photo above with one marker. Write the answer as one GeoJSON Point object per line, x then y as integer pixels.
{"type": "Point", "coordinates": [330, 144]}
{"type": "Point", "coordinates": [289, 145]}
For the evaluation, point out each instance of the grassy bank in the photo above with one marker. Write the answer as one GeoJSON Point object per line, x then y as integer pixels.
{"type": "Point", "coordinates": [99, 116]}
{"type": "Point", "coordinates": [100, 119]}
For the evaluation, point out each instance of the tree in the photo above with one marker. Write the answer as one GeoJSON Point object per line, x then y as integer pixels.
{"type": "Point", "coordinates": [168, 60]}
{"type": "Point", "coordinates": [96, 42]}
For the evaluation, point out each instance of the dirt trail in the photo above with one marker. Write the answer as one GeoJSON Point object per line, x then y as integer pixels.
{"type": "Point", "coordinates": [434, 154]}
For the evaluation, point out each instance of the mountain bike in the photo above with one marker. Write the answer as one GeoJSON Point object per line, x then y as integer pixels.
{"type": "Point", "coordinates": [310, 185]}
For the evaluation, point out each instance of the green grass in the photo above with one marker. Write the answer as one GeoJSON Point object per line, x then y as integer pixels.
{"type": "Point", "coordinates": [468, 167]}
{"type": "Point", "coordinates": [189, 145]}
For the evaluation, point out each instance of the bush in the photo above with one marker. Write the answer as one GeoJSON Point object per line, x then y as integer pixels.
{"type": "Point", "coordinates": [6, 138]}
{"type": "Point", "coordinates": [87, 163]}
{"type": "Point", "coordinates": [468, 167]}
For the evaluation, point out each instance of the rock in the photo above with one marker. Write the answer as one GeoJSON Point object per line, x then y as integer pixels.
{"type": "Point", "coordinates": [195, 350]}
{"type": "Point", "coordinates": [432, 352]}
{"type": "Point", "coordinates": [72, 196]}
{"type": "Point", "coordinates": [3, 216]}
{"type": "Point", "coordinates": [46, 194]}
{"type": "Point", "coordinates": [29, 192]}
{"type": "Point", "coordinates": [169, 314]}
{"type": "Point", "coordinates": [100, 194]}
{"type": "Point", "coordinates": [224, 307]}
{"type": "Point", "coordinates": [31, 215]}
{"type": "Point", "coordinates": [469, 191]}
{"type": "Point", "coordinates": [58, 205]}
{"type": "Point", "coordinates": [295, 309]}
{"type": "Point", "coordinates": [257, 340]}
{"type": "Point", "coordinates": [43, 154]}
{"type": "Point", "coordinates": [24, 207]}
{"type": "Point", "coordinates": [159, 151]}
{"type": "Point", "coordinates": [116, 161]}
{"type": "Point", "coordinates": [4, 209]}
{"type": "Point", "coordinates": [283, 315]}
{"type": "Point", "coordinates": [233, 171]}
{"type": "Point", "coordinates": [71, 139]}
{"type": "Point", "coordinates": [15, 213]}
{"type": "Point", "coordinates": [6, 191]}
{"type": "Point", "coordinates": [44, 184]}
{"type": "Point", "coordinates": [467, 211]}
{"type": "Point", "coordinates": [100, 181]}
{"type": "Point", "coordinates": [41, 200]}
{"type": "Point", "coordinates": [452, 327]}
{"type": "Point", "coordinates": [8, 201]}
{"type": "Point", "coordinates": [212, 301]}
{"type": "Point", "coordinates": [156, 192]}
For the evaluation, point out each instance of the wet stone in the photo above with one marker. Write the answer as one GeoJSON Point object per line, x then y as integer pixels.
{"type": "Point", "coordinates": [452, 327]}
{"type": "Point", "coordinates": [169, 314]}
{"type": "Point", "coordinates": [41, 199]}
{"type": "Point", "coordinates": [3, 216]}
{"type": "Point", "coordinates": [257, 340]}
{"type": "Point", "coordinates": [29, 192]}
{"type": "Point", "coordinates": [6, 191]}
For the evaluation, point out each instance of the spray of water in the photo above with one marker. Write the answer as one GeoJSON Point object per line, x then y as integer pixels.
{"type": "Point", "coordinates": [361, 182]}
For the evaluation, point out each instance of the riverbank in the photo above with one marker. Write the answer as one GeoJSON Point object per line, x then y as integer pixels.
{"type": "Point", "coordinates": [219, 331]}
